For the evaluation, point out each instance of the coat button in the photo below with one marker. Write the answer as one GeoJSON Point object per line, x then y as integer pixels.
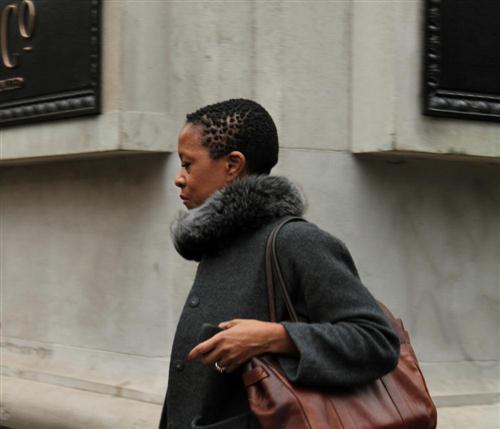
{"type": "Point", "coordinates": [194, 301]}
{"type": "Point", "coordinates": [179, 365]}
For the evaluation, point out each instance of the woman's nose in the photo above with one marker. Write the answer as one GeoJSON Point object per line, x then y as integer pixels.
{"type": "Point", "coordinates": [180, 181]}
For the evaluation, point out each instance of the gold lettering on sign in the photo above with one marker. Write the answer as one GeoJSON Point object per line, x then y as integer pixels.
{"type": "Point", "coordinates": [26, 28]}
{"type": "Point", "coordinates": [4, 42]}
{"type": "Point", "coordinates": [9, 84]}
{"type": "Point", "coordinates": [26, 15]}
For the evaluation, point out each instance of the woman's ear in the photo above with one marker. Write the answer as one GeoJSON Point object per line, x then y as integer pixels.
{"type": "Point", "coordinates": [236, 165]}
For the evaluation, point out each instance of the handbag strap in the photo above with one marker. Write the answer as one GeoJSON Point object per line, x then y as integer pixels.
{"type": "Point", "coordinates": [275, 275]}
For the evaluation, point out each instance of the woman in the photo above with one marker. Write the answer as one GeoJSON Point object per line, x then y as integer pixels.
{"type": "Point", "coordinates": [227, 151]}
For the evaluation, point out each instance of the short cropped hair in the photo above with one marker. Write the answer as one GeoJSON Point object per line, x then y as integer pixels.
{"type": "Point", "coordinates": [241, 125]}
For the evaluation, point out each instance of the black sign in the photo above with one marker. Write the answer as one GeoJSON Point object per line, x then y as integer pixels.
{"type": "Point", "coordinates": [49, 59]}
{"type": "Point", "coordinates": [462, 59]}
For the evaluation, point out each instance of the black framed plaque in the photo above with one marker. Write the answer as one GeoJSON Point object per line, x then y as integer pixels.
{"type": "Point", "coordinates": [462, 59]}
{"type": "Point", "coordinates": [49, 59]}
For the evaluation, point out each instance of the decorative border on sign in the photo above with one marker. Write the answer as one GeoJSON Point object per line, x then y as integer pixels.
{"type": "Point", "coordinates": [441, 102]}
{"type": "Point", "coordinates": [43, 109]}
{"type": "Point", "coordinates": [65, 104]}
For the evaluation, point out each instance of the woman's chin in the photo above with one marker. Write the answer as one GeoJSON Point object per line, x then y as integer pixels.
{"type": "Point", "coordinates": [189, 205]}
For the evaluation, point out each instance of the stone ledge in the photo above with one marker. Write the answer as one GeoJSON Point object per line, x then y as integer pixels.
{"type": "Point", "coordinates": [111, 133]}
{"type": "Point", "coordinates": [140, 378]}
{"type": "Point", "coordinates": [463, 383]}
{"type": "Point", "coordinates": [470, 417]}
{"type": "Point", "coordinates": [29, 404]}
{"type": "Point", "coordinates": [401, 155]}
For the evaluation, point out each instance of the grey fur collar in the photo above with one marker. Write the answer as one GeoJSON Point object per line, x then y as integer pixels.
{"type": "Point", "coordinates": [242, 205]}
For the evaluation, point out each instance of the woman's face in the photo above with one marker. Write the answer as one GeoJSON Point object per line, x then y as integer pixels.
{"type": "Point", "coordinates": [200, 175]}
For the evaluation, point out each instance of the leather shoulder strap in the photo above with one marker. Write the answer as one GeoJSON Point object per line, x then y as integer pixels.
{"type": "Point", "coordinates": [274, 274]}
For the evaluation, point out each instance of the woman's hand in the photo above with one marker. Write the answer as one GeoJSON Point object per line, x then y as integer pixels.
{"type": "Point", "coordinates": [241, 340]}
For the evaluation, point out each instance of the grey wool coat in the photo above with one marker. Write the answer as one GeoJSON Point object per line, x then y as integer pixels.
{"type": "Point", "coordinates": [343, 340]}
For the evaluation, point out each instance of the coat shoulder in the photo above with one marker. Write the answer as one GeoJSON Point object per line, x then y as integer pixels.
{"type": "Point", "coordinates": [307, 236]}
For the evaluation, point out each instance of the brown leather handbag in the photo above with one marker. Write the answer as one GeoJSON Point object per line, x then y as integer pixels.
{"type": "Point", "coordinates": [397, 400]}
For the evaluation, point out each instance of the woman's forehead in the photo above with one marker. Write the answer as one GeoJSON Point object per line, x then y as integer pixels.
{"type": "Point", "coordinates": [190, 138]}
{"type": "Point", "coordinates": [191, 131]}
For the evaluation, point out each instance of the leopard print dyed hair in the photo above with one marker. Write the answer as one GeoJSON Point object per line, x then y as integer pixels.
{"type": "Point", "coordinates": [241, 125]}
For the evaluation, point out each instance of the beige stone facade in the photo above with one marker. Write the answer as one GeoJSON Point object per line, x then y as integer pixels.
{"type": "Point", "coordinates": [91, 286]}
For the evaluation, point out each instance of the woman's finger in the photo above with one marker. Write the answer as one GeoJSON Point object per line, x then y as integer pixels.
{"type": "Point", "coordinates": [201, 349]}
{"type": "Point", "coordinates": [228, 324]}
{"type": "Point", "coordinates": [213, 356]}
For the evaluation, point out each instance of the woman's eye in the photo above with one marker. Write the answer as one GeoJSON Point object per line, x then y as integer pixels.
{"type": "Point", "coordinates": [185, 165]}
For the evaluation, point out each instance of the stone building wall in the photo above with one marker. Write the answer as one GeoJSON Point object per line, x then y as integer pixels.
{"type": "Point", "coordinates": [91, 287]}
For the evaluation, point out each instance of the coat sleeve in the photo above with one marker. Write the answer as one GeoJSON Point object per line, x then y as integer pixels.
{"type": "Point", "coordinates": [346, 339]}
